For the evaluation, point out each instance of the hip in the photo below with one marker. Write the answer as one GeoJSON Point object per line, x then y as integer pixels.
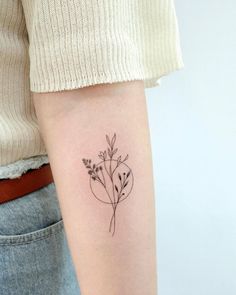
{"type": "Point", "coordinates": [34, 254]}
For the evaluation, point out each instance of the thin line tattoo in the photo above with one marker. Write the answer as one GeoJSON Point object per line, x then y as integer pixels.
{"type": "Point", "coordinates": [111, 180]}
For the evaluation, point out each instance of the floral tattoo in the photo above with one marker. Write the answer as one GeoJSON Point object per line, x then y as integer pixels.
{"type": "Point", "coordinates": [111, 180]}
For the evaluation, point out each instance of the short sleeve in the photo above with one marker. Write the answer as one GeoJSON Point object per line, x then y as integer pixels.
{"type": "Point", "coordinates": [78, 43]}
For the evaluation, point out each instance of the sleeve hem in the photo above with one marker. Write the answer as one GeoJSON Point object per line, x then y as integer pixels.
{"type": "Point", "coordinates": [150, 80]}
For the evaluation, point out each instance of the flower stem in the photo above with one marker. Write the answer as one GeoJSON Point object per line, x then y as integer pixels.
{"type": "Point", "coordinates": [103, 178]}
{"type": "Point", "coordinates": [99, 180]}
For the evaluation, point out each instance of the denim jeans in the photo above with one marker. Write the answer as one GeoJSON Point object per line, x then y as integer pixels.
{"type": "Point", "coordinates": [34, 254]}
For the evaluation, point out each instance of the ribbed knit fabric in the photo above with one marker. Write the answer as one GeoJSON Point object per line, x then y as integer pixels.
{"type": "Point", "coordinates": [52, 45]}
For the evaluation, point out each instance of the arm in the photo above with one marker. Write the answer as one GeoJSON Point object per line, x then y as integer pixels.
{"type": "Point", "coordinates": [111, 238]}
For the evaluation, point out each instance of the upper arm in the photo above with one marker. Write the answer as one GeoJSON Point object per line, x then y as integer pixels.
{"type": "Point", "coordinates": [91, 111]}
{"type": "Point", "coordinates": [101, 99]}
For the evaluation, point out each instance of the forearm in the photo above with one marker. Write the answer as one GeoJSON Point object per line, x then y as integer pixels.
{"type": "Point", "coordinates": [110, 230]}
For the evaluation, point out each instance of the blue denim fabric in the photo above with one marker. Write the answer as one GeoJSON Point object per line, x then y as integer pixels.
{"type": "Point", "coordinates": [34, 254]}
{"type": "Point", "coordinates": [16, 169]}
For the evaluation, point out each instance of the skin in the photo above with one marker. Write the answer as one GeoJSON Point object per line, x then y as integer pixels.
{"type": "Point", "coordinates": [73, 124]}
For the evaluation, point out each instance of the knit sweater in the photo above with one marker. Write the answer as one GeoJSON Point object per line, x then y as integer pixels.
{"type": "Point", "coordinates": [51, 45]}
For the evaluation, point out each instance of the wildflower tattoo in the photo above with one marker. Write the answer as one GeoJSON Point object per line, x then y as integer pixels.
{"type": "Point", "coordinates": [111, 180]}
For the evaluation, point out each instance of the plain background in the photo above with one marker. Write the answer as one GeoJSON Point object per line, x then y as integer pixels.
{"type": "Point", "coordinates": [192, 118]}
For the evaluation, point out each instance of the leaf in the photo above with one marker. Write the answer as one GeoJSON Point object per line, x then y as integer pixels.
{"type": "Point", "coordinates": [108, 140]}
{"type": "Point", "coordinates": [115, 151]}
{"type": "Point", "coordinates": [90, 172]}
{"type": "Point", "coordinates": [128, 174]}
{"type": "Point", "coordinates": [113, 140]}
{"type": "Point", "coordinates": [119, 176]}
{"type": "Point", "coordinates": [116, 188]}
{"type": "Point", "coordinates": [126, 184]}
{"type": "Point", "coordinates": [126, 158]}
{"type": "Point", "coordinates": [118, 161]}
{"type": "Point", "coordinates": [94, 166]}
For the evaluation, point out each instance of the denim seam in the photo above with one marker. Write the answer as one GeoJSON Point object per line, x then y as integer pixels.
{"type": "Point", "coordinates": [30, 238]}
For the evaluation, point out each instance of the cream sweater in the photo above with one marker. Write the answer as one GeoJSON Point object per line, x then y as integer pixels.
{"type": "Point", "coordinates": [49, 45]}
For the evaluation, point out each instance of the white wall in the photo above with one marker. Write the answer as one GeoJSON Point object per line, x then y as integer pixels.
{"type": "Point", "coordinates": [193, 131]}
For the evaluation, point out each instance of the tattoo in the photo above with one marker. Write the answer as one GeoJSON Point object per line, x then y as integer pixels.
{"type": "Point", "coordinates": [111, 180]}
